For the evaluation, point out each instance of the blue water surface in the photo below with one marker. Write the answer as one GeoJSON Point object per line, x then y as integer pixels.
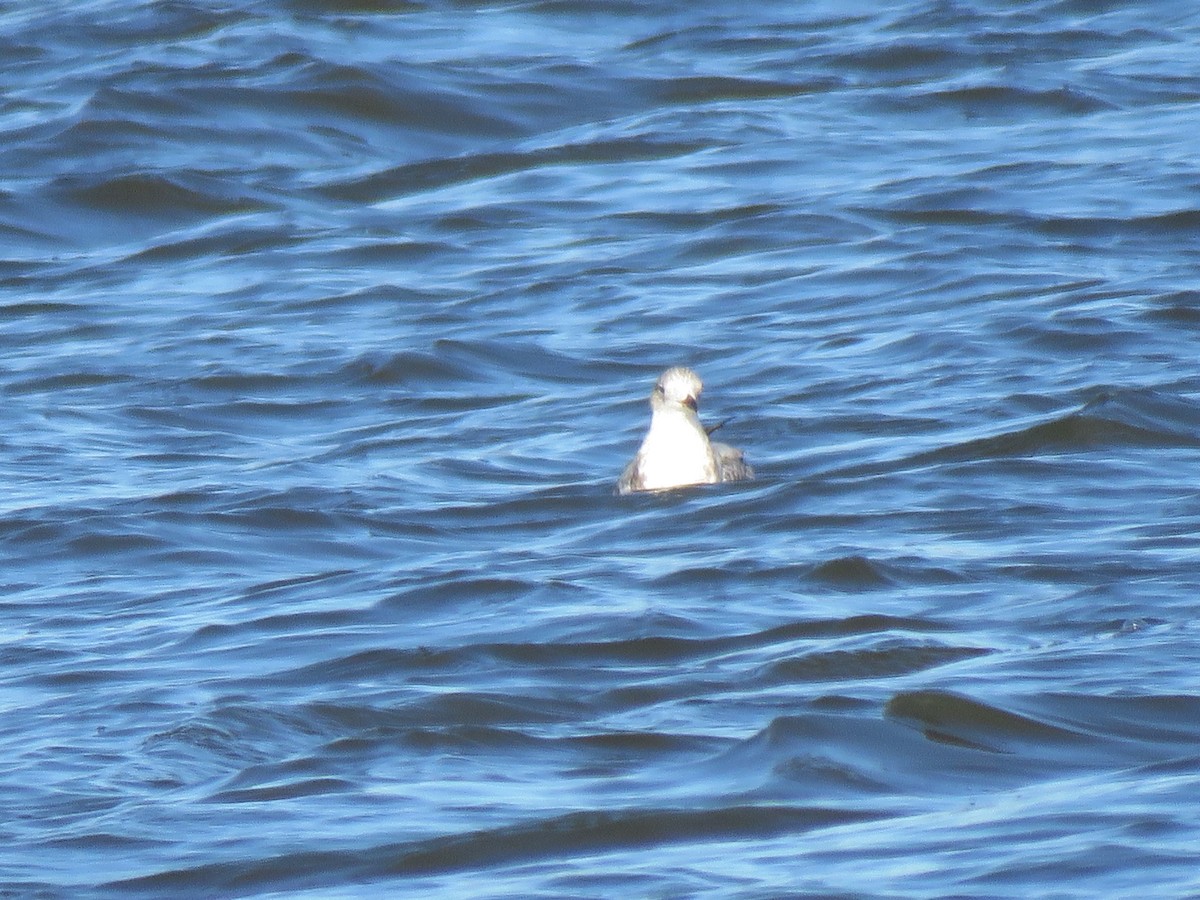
{"type": "Point", "coordinates": [326, 329]}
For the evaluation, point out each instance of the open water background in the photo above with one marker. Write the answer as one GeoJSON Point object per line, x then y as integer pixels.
{"type": "Point", "coordinates": [326, 328]}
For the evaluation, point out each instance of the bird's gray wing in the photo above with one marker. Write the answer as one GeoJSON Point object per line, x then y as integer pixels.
{"type": "Point", "coordinates": [631, 478]}
{"type": "Point", "coordinates": [731, 463]}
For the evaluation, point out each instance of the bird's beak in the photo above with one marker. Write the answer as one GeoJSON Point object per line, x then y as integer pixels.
{"type": "Point", "coordinates": [690, 403]}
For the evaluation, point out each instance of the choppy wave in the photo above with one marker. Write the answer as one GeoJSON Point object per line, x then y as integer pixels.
{"type": "Point", "coordinates": [327, 328]}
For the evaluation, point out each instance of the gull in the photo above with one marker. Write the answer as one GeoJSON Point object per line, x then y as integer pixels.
{"type": "Point", "coordinates": [676, 451]}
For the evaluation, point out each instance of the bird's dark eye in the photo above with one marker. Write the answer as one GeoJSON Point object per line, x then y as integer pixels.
{"type": "Point", "coordinates": [690, 402]}
{"type": "Point", "coordinates": [660, 390]}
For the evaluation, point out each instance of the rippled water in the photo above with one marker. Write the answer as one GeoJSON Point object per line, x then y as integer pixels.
{"type": "Point", "coordinates": [326, 329]}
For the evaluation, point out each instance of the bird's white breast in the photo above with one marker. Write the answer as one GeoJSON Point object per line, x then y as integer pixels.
{"type": "Point", "coordinates": [675, 452]}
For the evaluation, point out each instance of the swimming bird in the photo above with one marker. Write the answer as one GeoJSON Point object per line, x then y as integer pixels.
{"type": "Point", "coordinates": [676, 451]}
